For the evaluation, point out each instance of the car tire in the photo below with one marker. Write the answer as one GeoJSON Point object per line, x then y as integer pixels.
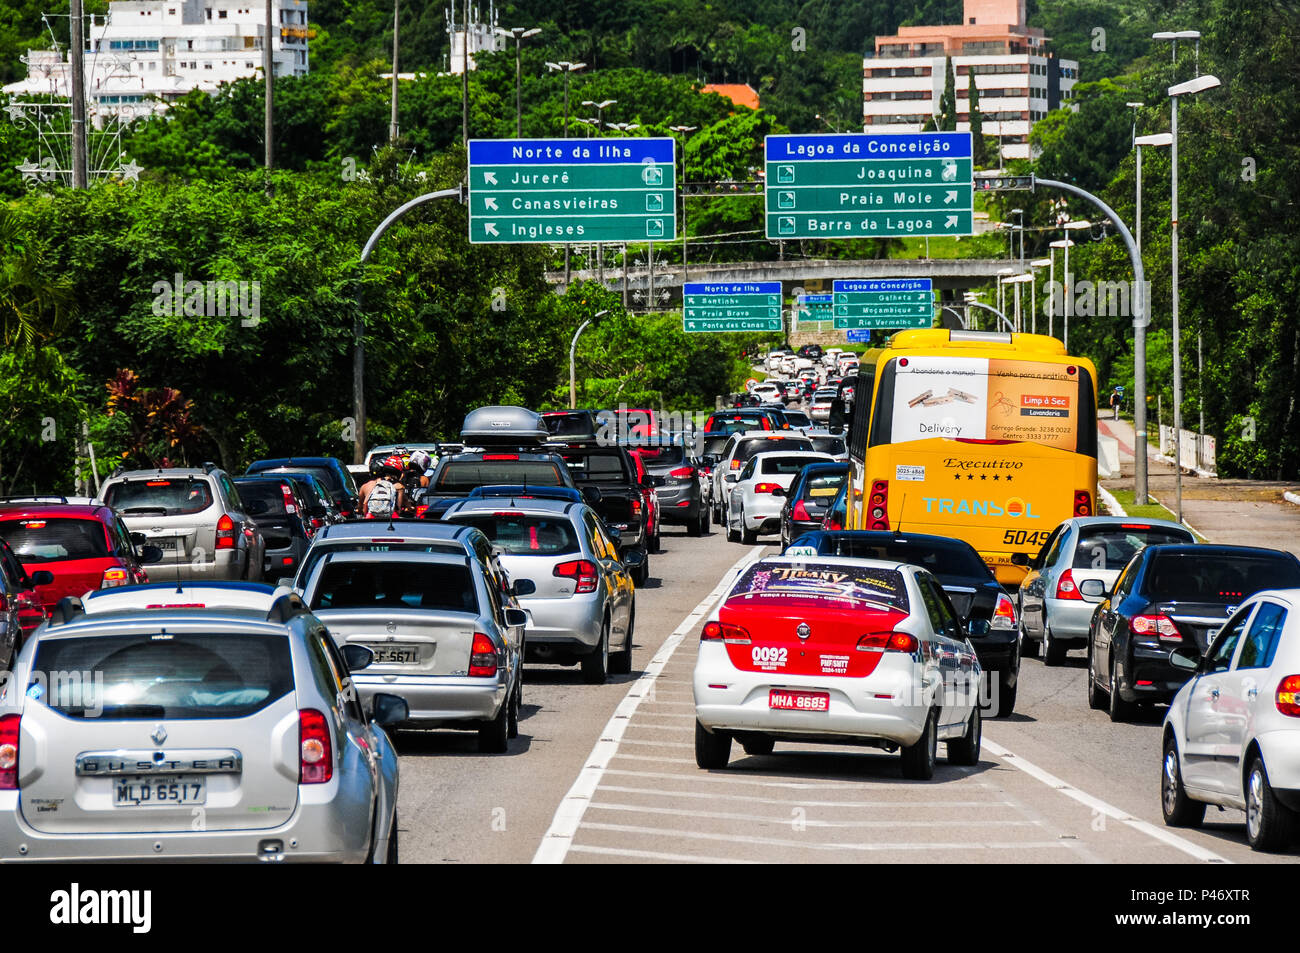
{"type": "Point", "coordinates": [494, 737]}
{"type": "Point", "coordinates": [747, 536]}
{"type": "Point", "coordinates": [512, 715]}
{"type": "Point", "coordinates": [642, 575]}
{"type": "Point", "coordinates": [1096, 698]}
{"type": "Point", "coordinates": [919, 757]}
{"type": "Point", "coordinates": [390, 857]}
{"type": "Point", "coordinates": [1178, 809]}
{"type": "Point", "coordinates": [733, 535]}
{"type": "Point", "coordinates": [1270, 824]}
{"type": "Point", "coordinates": [1054, 650]}
{"type": "Point", "coordinates": [696, 527]}
{"type": "Point", "coordinates": [1028, 646]}
{"type": "Point", "coordinates": [966, 749]}
{"type": "Point", "coordinates": [595, 665]}
{"type": "Point", "coordinates": [712, 749]}
{"type": "Point", "coordinates": [652, 543]}
{"type": "Point", "coordinates": [1118, 709]}
{"type": "Point", "coordinates": [759, 746]}
{"type": "Point", "coordinates": [1006, 696]}
{"type": "Point", "coordinates": [620, 663]}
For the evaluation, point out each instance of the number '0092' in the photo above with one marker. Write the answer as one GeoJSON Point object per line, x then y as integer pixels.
{"type": "Point", "coordinates": [769, 655]}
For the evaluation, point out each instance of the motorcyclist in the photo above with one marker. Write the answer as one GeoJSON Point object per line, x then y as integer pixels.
{"type": "Point", "coordinates": [383, 496]}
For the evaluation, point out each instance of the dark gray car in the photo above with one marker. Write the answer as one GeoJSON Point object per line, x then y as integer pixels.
{"type": "Point", "coordinates": [679, 485]}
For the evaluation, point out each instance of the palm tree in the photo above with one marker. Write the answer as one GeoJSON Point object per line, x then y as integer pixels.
{"type": "Point", "coordinates": [34, 305]}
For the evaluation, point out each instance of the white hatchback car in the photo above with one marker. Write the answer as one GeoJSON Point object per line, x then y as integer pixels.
{"type": "Point", "coordinates": [834, 650]}
{"type": "Point", "coordinates": [755, 501]}
{"type": "Point", "coordinates": [1232, 733]}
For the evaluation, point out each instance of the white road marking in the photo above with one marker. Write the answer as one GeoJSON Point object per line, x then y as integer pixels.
{"type": "Point", "coordinates": [660, 744]}
{"type": "Point", "coordinates": [785, 820]}
{"type": "Point", "coordinates": [786, 802]}
{"type": "Point", "coordinates": [558, 838]}
{"type": "Point", "coordinates": [1101, 807]}
{"type": "Point", "coordinates": [736, 777]}
{"type": "Point", "coordinates": [657, 855]}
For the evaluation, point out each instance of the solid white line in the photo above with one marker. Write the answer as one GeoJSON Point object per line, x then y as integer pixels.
{"type": "Point", "coordinates": [555, 844]}
{"type": "Point", "coordinates": [659, 744]}
{"type": "Point", "coordinates": [657, 855]}
{"type": "Point", "coordinates": [788, 820]}
{"type": "Point", "coordinates": [1101, 807]}
{"type": "Point", "coordinates": [664, 832]}
{"type": "Point", "coordinates": [786, 802]}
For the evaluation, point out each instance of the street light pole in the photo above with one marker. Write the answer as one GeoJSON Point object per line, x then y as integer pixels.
{"type": "Point", "coordinates": [566, 68]}
{"type": "Point", "coordinates": [685, 131]}
{"type": "Point", "coordinates": [600, 246]}
{"type": "Point", "coordinates": [573, 350]}
{"type": "Point", "coordinates": [520, 34]}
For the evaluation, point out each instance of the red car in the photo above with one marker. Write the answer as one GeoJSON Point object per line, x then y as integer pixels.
{"type": "Point", "coordinates": [649, 501]}
{"type": "Point", "coordinates": [82, 546]}
{"type": "Point", "coordinates": [20, 607]}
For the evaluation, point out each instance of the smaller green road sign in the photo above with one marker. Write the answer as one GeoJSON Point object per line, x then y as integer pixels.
{"type": "Point", "coordinates": [818, 307]}
{"type": "Point", "coordinates": [883, 303]}
{"type": "Point", "coordinates": [731, 306]}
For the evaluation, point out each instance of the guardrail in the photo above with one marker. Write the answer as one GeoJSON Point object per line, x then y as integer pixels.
{"type": "Point", "coordinates": [1197, 449]}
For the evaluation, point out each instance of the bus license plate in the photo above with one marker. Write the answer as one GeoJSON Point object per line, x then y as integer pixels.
{"type": "Point", "coordinates": [142, 790]}
{"type": "Point", "coordinates": [787, 700]}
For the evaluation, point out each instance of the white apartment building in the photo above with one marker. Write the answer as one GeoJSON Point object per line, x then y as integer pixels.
{"type": "Point", "coordinates": [147, 53]}
{"type": "Point", "coordinates": [1018, 79]}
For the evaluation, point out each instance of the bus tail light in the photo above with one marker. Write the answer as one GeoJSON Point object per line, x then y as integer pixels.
{"type": "Point", "coordinates": [1065, 587]}
{"type": "Point", "coordinates": [877, 508]}
{"type": "Point", "coordinates": [1082, 503]}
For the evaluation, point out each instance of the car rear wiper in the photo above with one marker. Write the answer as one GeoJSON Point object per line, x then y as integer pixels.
{"type": "Point", "coordinates": [133, 711]}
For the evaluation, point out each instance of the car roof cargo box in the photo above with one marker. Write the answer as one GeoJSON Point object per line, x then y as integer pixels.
{"type": "Point", "coordinates": [498, 426]}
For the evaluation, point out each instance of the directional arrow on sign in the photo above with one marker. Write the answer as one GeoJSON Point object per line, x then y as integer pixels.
{"type": "Point", "coordinates": [490, 203]}
{"type": "Point", "coordinates": [489, 178]}
{"type": "Point", "coordinates": [490, 228]}
{"type": "Point", "coordinates": [949, 196]}
{"type": "Point", "coordinates": [952, 222]}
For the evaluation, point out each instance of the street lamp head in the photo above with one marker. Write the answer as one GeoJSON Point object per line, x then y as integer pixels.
{"type": "Point", "coordinates": [1164, 35]}
{"type": "Point", "coordinates": [1156, 139]}
{"type": "Point", "coordinates": [1041, 263]}
{"type": "Point", "coordinates": [1187, 35]}
{"type": "Point", "coordinates": [1061, 243]}
{"type": "Point", "coordinates": [1193, 86]}
{"type": "Point", "coordinates": [1076, 225]}
{"type": "Point", "coordinates": [531, 32]}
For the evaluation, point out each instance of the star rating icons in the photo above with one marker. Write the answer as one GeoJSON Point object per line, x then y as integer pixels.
{"type": "Point", "coordinates": [983, 476]}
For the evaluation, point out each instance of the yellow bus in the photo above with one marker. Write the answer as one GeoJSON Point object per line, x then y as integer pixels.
{"type": "Point", "coordinates": [989, 437]}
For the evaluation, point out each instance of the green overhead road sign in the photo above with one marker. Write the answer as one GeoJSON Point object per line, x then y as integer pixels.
{"type": "Point", "coordinates": [885, 304]}
{"type": "Point", "coordinates": [572, 190]}
{"type": "Point", "coordinates": [731, 306]}
{"type": "Point", "coordinates": [869, 185]}
{"type": "Point", "coordinates": [818, 307]}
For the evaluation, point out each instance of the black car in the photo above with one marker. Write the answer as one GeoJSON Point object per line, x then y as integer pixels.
{"type": "Point", "coordinates": [813, 352]}
{"type": "Point", "coordinates": [321, 508]}
{"type": "Point", "coordinates": [1166, 597]}
{"type": "Point", "coordinates": [571, 424]}
{"type": "Point", "coordinates": [607, 478]}
{"type": "Point", "coordinates": [679, 484]}
{"type": "Point", "coordinates": [335, 476]}
{"type": "Point", "coordinates": [969, 583]}
{"type": "Point", "coordinates": [456, 475]}
{"type": "Point", "coordinates": [284, 517]}
{"type": "Point", "coordinates": [809, 499]}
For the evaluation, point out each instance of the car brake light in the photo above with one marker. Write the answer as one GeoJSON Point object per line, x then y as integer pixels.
{"type": "Point", "coordinates": [9, 752]}
{"type": "Point", "coordinates": [1287, 701]}
{"type": "Point", "coordinates": [724, 632]}
{"type": "Point", "coordinates": [1160, 625]}
{"type": "Point", "coordinates": [315, 753]}
{"type": "Point", "coordinates": [1082, 503]}
{"type": "Point", "coordinates": [32, 524]}
{"type": "Point", "coordinates": [500, 456]}
{"type": "Point", "coordinates": [1134, 526]}
{"type": "Point", "coordinates": [636, 506]}
{"type": "Point", "coordinates": [682, 473]}
{"type": "Point", "coordinates": [113, 578]}
{"type": "Point", "coordinates": [420, 510]}
{"type": "Point", "coordinates": [583, 571]}
{"type": "Point", "coordinates": [1065, 587]}
{"type": "Point", "coordinates": [888, 642]}
{"type": "Point", "coordinates": [799, 511]}
{"type": "Point", "coordinates": [287, 493]}
{"type": "Point", "coordinates": [767, 487]}
{"type": "Point", "coordinates": [225, 532]}
{"type": "Point", "coordinates": [483, 657]}
{"type": "Point", "coordinates": [158, 483]}
{"type": "Point", "coordinates": [1004, 615]}
{"type": "Point", "coordinates": [879, 505]}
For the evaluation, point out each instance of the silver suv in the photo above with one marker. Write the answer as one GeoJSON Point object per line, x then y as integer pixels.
{"type": "Point", "coordinates": [195, 516]}
{"type": "Point", "coordinates": [194, 734]}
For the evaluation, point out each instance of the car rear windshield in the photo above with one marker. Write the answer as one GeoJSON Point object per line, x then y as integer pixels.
{"type": "Point", "coordinates": [327, 476]}
{"type": "Point", "coordinates": [396, 585]}
{"type": "Point", "coordinates": [942, 559]}
{"type": "Point", "coordinates": [821, 486]}
{"type": "Point", "coordinates": [782, 465]}
{"type": "Point", "coordinates": [714, 444]}
{"type": "Point", "coordinates": [323, 548]}
{"type": "Point", "coordinates": [662, 456]}
{"type": "Point", "coordinates": [516, 534]}
{"type": "Point", "coordinates": [751, 448]}
{"type": "Point", "coordinates": [1111, 547]}
{"type": "Point", "coordinates": [262, 497]}
{"type": "Point", "coordinates": [831, 445]}
{"type": "Point", "coordinates": [568, 425]}
{"type": "Point", "coordinates": [42, 540]}
{"type": "Point", "coordinates": [797, 418]}
{"type": "Point", "coordinates": [463, 476]}
{"type": "Point", "coordinates": [162, 675]}
{"type": "Point", "coordinates": [596, 467]}
{"type": "Point", "coordinates": [174, 496]}
{"type": "Point", "coordinates": [1218, 576]}
{"type": "Point", "coordinates": [820, 584]}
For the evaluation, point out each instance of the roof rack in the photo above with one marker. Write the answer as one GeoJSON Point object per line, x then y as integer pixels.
{"type": "Point", "coordinates": [286, 607]}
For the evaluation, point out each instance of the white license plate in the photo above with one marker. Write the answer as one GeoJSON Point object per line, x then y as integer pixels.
{"type": "Point", "coordinates": [172, 543]}
{"type": "Point", "coordinates": [397, 653]}
{"type": "Point", "coordinates": [142, 790]}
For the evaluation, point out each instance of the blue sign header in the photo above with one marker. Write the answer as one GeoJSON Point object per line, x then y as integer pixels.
{"type": "Point", "coordinates": [627, 151]}
{"type": "Point", "coordinates": [857, 146]}
{"type": "Point", "coordinates": [732, 288]}
{"type": "Point", "coordinates": [885, 284]}
{"type": "Point", "coordinates": [815, 299]}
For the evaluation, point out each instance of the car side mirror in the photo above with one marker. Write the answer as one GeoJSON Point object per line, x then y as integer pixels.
{"type": "Point", "coordinates": [524, 587]}
{"type": "Point", "coordinates": [386, 709]}
{"type": "Point", "coordinates": [779, 491]}
{"type": "Point", "coordinates": [1093, 589]}
{"type": "Point", "coordinates": [649, 483]}
{"type": "Point", "coordinates": [356, 657]}
{"type": "Point", "coordinates": [516, 618]}
{"type": "Point", "coordinates": [1020, 559]}
{"type": "Point", "coordinates": [591, 494]}
{"type": "Point", "coordinates": [150, 555]}
{"type": "Point", "coordinates": [633, 559]}
{"type": "Point", "coordinates": [977, 628]}
{"type": "Point", "coordinates": [731, 477]}
{"type": "Point", "coordinates": [41, 577]}
{"type": "Point", "coordinates": [1186, 658]}
{"type": "Point", "coordinates": [139, 539]}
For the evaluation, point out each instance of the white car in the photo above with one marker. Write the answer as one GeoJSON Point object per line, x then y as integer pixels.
{"type": "Point", "coordinates": [740, 446]}
{"type": "Point", "coordinates": [767, 391]}
{"type": "Point", "coordinates": [819, 405]}
{"type": "Point", "coordinates": [755, 500]}
{"type": "Point", "coordinates": [1232, 733]}
{"type": "Point", "coordinates": [832, 650]}
{"type": "Point", "coordinates": [831, 356]}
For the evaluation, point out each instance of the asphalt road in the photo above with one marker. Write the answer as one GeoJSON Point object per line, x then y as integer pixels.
{"type": "Point", "coordinates": [606, 773]}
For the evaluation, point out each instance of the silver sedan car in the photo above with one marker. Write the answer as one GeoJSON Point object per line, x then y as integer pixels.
{"type": "Point", "coordinates": [194, 734]}
{"type": "Point", "coordinates": [584, 601]}
{"type": "Point", "coordinates": [757, 495]}
{"type": "Point", "coordinates": [1053, 611]}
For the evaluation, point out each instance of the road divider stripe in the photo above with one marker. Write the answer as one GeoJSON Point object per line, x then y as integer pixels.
{"type": "Point", "coordinates": [564, 825]}
{"type": "Point", "coordinates": [657, 855]}
{"type": "Point", "coordinates": [1101, 807]}
{"type": "Point", "coordinates": [785, 820]}
{"type": "Point", "coordinates": [803, 802]}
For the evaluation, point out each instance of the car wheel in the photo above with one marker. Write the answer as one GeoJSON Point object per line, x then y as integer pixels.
{"type": "Point", "coordinates": [747, 536]}
{"type": "Point", "coordinates": [642, 575]}
{"type": "Point", "coordinates": [1096, 701]}
{"type": "Point", "coordinates": [595, 664]}
{"type": "Point", "coordinates": [1119, 709]}
{"type": "Point", "coordinates": [1179, 809]}
{"type": "Point", "coordinates": [512, 717]}
{"type": "Point", "coordinates": [1270, 824]}
{"type": "Point", "coordinates": [733, 535]}
{"type": "Point", "coordinates": [494, 737]}
{"type": "Point", "coordinates": [391, 856]}
{"type": "Point", "coordinates": [966, 749]}
{"type": "Point", "coordinates": [758, 746]}
{"type": "Point", "coordinates": [1006, 695]}
{"type": "Point", "coordinates": [1028, 647]}
{"type": "Point", "coordinates": [919, 757]}
{"type": "Point", "coordinates": [696, 527]}
{"type": "Point", "coordinates": [712, 749]}
{"type": "Point", "coordinates": [652, 545]}
{"type": "Point", "coordinates": [620, 663]}
{"type": "Point", "coordinates": [1054, 650]}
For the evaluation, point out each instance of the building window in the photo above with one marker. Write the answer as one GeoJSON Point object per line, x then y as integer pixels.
{"type": "Point", "coordinates": [221, 14]}
{"type": "Point", "coordinates": [207, 66]}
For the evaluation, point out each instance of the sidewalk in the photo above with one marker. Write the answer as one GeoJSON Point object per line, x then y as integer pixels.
{"type": "Point", "coordinates": [1245, 512]}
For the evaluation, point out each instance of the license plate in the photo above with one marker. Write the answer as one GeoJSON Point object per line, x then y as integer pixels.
{"type": "Point", "coordinates": [165, 543]}
{"type": "Point", "coordinates": [788, 700]}
{"type": "Point", "coordinates": [159, 791]}
{"type": "Point", "coordinates": [396, 653]}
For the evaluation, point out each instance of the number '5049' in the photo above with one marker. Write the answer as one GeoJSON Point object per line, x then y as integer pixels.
{"type": "Point", "coordinates": [1018, 537]}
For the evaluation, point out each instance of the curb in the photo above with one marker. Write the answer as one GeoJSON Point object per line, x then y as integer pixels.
{"type": "Point", "coordinates": [1291, 497]}
{"type": "Point", "coordinates": [1112, 504]}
